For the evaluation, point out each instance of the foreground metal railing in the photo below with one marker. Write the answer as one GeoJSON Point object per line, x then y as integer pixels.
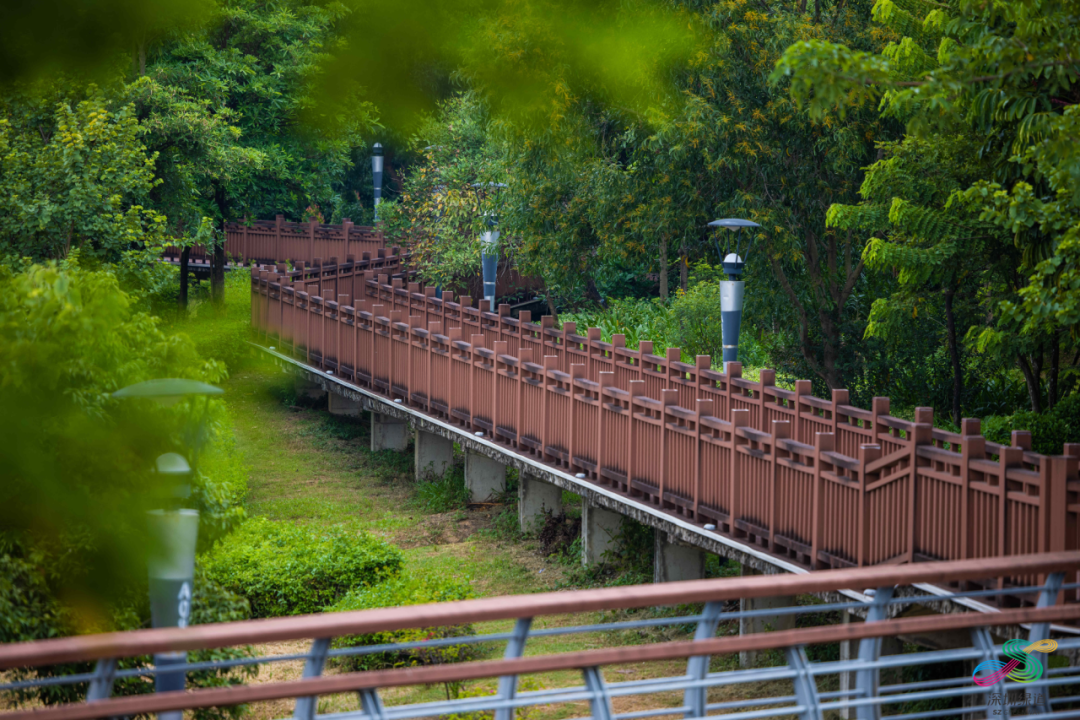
{"type": "Point", "coordinates": [807, 685]}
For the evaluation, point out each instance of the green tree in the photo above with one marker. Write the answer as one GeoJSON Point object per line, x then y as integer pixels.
{"type": "Point", "coordinates": [1006, 74]}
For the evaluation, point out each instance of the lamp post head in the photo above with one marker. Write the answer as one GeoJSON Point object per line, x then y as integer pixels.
{"type": "Point", "coordinates": [376, 149]}
{"type": "Point", "coordinates": [733, 262]}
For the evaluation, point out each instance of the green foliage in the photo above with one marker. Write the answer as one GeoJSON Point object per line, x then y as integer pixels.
{"type": "Point", "coordinates": [75, 175]}
{"type": "Point", "coordinates": [402, 591]}
{"type": "Point", "coordinates": [77, 478]}
{"type": "Point", "coordinates": [442, 494]}
{"type": "Point", "coordinates": [286, 569]}
{"type": "Point", "coordinates": [637, 319]}
{"type": "Point", "coordinates": [1049, 430]}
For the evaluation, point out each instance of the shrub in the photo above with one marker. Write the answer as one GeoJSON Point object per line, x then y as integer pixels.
{"type": "Point", "coordinates": [286, 569]}
{"type": "Point", "coordinates": [399, 592]}
{"type": "Point", "coordinates": [444, 494]}
{"type": "Point", "coordinates": [1049, 430]}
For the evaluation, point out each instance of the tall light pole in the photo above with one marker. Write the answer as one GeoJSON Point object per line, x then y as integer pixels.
{"type": "Point", "coordinates": [174, 532]}
{"type": "Point", "coordinates": [731, 290]}
{"type": "Point", "coordinates": [376, 175]}
{"type": "Point", "coordinates": [490, 236]}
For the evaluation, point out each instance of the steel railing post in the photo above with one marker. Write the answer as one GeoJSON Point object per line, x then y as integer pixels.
{"type": "Point", "coordinates": [306, 706]}
{"type": "Point", "coordinates": [600, 703]}
{"type": "Point", "coordinates": [371, 703]}
{"type": "Point", "coordinates": [866, 681]}
{"type": "Point", "coordinates": [697, 667]}
{"type": "Point", "coordinates": [101, 686]}
{"type": "Point", "coordinates": [805, 684]}
{"type": "Point", "coordinates": [1041, 631]}
{"type": "Point", "coordinates": [515, 648]}
{"type": "Point", "coordinates": [982, 641]}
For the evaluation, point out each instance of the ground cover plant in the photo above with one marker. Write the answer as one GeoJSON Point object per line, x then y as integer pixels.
{"type": "Point", "coordinates": [287, 569]}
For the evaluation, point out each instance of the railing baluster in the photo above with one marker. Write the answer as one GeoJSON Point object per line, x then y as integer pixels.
{"type": "Point", "coordinates": [982, 640]}
{"type": "Point", "coordinates": [371, 703]}
{"type": "Point", "coordinates": [515, 648]}
{"type": "Point", "coordinates": [1041, 631]}
{"type": "Point", "coordinates": [697, 667]}
{"type": "Point", "coordinates": [306, 706]}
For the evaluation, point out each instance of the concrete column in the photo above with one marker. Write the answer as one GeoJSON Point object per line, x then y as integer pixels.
{"type": "Point", "coordinates": [535, 497]}
{"type": "Point", "coordinates": [599, 528]}
{"type": "Point", "coordinates": [434, 455]}
{"type": "Point", "coordinates": [673, 561]}
{"type": "Point", "coordinates": [388, 433]}
{"type": "Point", "coordinates": [484, 477]}
{"type": "Point", "coordinates": [340, 405]}
{"type": "Point", "coordinates": [762, 623]}
{"type": "Point", "coordinates": [307, 390]}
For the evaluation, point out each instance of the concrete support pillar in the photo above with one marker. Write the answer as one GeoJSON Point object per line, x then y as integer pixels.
{"type": "Point", "coordinates": [388, 433]}
{"type": "Point", "coordinates": [762, 623]}
{"type": "Point", "coordinates": [599, 528]}
{"type": "Point", "coordinates": [307, 390]}
{"type": "Point", "coordinates": [673, 561]}
{"type": "Point", "coordinates": [433, 455]}
{"type": "Point", "coordinates": [340, 405]}
{"type": "Point", "coordinates": [484, 477]}
{"type": "Point", "coordinates": [536, 497]}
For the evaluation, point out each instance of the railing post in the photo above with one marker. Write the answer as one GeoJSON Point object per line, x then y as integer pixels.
{"type": "Point", "coordinates": [697, 667]}
{"type": "Point", "coordinates": [704, 409]}
{"type": "Point", "coordinates": [577, 371]}
{"type": "Point", "coordinates": [823, 443]}
{"type": "Point", "coordinates": [868, 453]}
{"type": "Point", "coordinates": [802, 387]}
{"type": "Point", "coordinates": [922, 433]}
{"type": "Point", "coordinates": [607, 379]}
{"type": "Point", "coordinates": [525, 355]}
{"type": "Point", "coordinates": [781, 430]}
{"type": "Point", "coordinates": [101, 686]}
{"type": "Point", "coordinates": [866, 681]}
{"type": "Point", "coordinates": [550, 362]}
{"type": "Point", "coordinates": [600, 703]}
{"type": "Point", "coordinates": [805, 684]}
{"type": "Point", "coordinates": [515, 648]}
{"type": "Point", "coordinates": [637, 387]}
{"type": "Point", "coordinates": [739, 418]}
{"type": "Point", "coordinates": [1010, 457]}
{"type": "Point", "coordinates": [306, 706]}
{"type": "Point", "coordinates": [839, 397]}
{"type": "Point", "coordinates": [501, 348]}
{"type": "Point", "coordinates": [668, 397]}
{"type": "Point", "coordinates": [972, 447]}
{"type": "Point", "coordinates": [475, 343]}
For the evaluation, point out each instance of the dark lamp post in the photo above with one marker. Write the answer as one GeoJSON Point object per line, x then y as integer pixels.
{"type": "Point", "coordinates": [173, 535]}
{"type": "Point", "coordinates": [490, 236]}
{"type": "Point", "coordinates": [733, 262]}
{"type": "Point", "coordinates": [376, 175]}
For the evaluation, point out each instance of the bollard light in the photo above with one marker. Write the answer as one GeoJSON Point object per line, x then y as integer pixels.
{"type": "Point", "coordinates": [733, 261]}
{"type": "Point", "coordinates": [173, 536]}
{"type": "Point", "coordinates": [489, 258]}
{"type": "Point", "coordinates": [376, 175]}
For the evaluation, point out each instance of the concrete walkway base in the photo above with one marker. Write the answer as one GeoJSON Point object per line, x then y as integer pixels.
{"type": "Point", "coordinates": [388, 433]}
{"type": "Point", "coordinates": [599, 528]}
{"type": "Point", "coordinates": [344, 406]}
{"type": "Point", "coordinates": [673, 562]}
{"type": "Point", "coordinates": [433, 454]}
{"type": "Point", "coordinates": [762, 623]}
{"type": "Point", "coordinates": [484, 477]}
{"type": "Point", "coordinates": [536, 497]}
{"type": "Point", "coordinates": [307, 390]}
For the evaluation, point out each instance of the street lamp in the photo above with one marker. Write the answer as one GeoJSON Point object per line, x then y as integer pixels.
{"type": "Point", "coordinates": [376, 174]}
{"type": "Point", "coordinates": [489, 258]}
{"type": "Point", "coordinates": [174, 532]}
{"type": "Point", "coordinates": [731, 290]}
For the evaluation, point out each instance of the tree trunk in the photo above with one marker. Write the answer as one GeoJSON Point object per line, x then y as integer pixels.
{"type": "Point", "coordinates": [663, 268]}
{"type": "Point", "coordinates": [684, 271]}
{"type": "Point", "coordinates": [551, 309]}
{"type": "Point", "coordinates": [1055, 367]}
{"type": "Point", "coordinates": [954, 356]}
{"type": "Point", "coordinates": [183, 297]}
{"type": "Point", "coordinates": [1031, 377]}
{"type": "Point", "coordinates": [217, 274]}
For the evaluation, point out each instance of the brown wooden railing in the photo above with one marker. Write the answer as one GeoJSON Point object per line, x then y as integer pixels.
{"type": "Point", "coordinates": [274, 241]}
{"type": "Point", "coordinates": [816, 481]}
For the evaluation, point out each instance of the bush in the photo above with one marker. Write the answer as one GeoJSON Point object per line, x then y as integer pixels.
{"type": "Point", "coordinates": [444, 494]}
{"type": "Point", "coordinates": [1049, 430]}
{"type": "Point", "coordinates": [399, 592]}
{"type": "Point", "coordinates": [286, 569]}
